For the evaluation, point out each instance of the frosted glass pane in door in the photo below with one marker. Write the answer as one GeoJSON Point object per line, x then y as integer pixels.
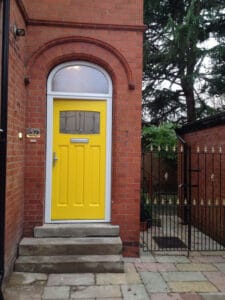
{"type": "Point", "coordinates": [80, 79]}
{"type": "Point", "coordinates": [80, 122]}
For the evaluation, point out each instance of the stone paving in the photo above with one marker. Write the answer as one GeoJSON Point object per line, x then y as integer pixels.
{"type": "Point", "coordinates": [153, 277]}
{"type": "Point", "coordinates": [172, 226]}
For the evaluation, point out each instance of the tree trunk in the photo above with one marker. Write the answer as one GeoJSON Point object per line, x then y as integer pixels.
{"type": "Point", "coordinates": [188, 89]}
{"type": "Point", "coordinates": [190, 103]}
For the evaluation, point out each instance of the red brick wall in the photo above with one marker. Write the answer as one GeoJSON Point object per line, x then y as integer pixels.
{"type": "Point", "coordinates": [128, 12]}
{"type": "Point", "coordinates": [119, 52]}
{"type": "Point", "coordinates": [15, 146]}
{"type": "Point", "coordinates": [213, 136]}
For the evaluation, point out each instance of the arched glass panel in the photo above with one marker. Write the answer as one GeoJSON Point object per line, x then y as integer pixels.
{"type": "Point", "coordinates": [80, 79]}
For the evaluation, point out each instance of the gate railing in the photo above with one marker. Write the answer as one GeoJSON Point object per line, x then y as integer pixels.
{"type": "Point", "coordinates": [183, 191]}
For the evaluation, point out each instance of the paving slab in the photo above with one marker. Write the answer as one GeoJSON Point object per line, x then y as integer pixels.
{"type": "Point", "coordinates": [157, 277]}
{"type": "Point", "coordinates": [92, 298]}
{"type": "Point", "coordinates": [201, 267]}
{"type": "Point", "coordinates": [154, 282]}
{"type": "Point", "coordinates": [109, 299]}
{"type": "Point", "coordinates": [189, 296]}
{"type": "Point", "coordinates": [134, 292]}
{"type": "Point", "coordinates": [166, 296]}
{"type": "Point", "coordinates": [23, 293]}
{"type": "Point", "coordinates": [131, 259]}
{"type": "Point", "coordinates": [190, 286]}
{"type": "Point", "coordinates": [170, 253]}
{"type": "Point", "coordinates": [183, 276]}
{"type": "Point", "coordinates": [18, 278]}
{"type": "Point", "coordinates": [195, 253]}
{"type": "Point", "coordinates": [207, 259]}
{"type": "Point", "coordinates": [129, 267]}
{"type": "Point", "coordinates": [132, 277]}
{"type": "Point", "coordinates": [56, 292]}
{"type": "Point", "coordinates": [148, 258]}
{"type": "Point", "coordinates": [85, 292]}
{"type": "Point", "coordinates": [213, 296]}
{"type": "Point", "coordinates": [175, 296]}
{"type": "Point", "coordinates": [71, 279]}
{"type": "Point", "coordinates": [172, 259]}
{"type": "Point", "coordinates": [213, 253]}
{"type": "Point", "coordinates": [220, 266]}
{"type": "Point", "coordinates": [155, 267]}
{"type": "Point", "coordinates": [110, 279]}
{"type": "Point", "coordinates": [217, 278]}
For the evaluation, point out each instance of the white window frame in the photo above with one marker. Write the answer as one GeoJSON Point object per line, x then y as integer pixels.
{"type": "Point", "coordinates": [51, 95]}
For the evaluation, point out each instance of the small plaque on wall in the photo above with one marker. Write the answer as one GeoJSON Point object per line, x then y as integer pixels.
{"type": "Point", "coordinates": [33, 132]}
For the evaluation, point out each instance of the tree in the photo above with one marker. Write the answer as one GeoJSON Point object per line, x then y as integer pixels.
{"type": "Point", "coordinates": [159, 136]}
{"type": "Point", "coordinates": [175, 70]}
{"type": "Point", "coordinates": [217, 80]}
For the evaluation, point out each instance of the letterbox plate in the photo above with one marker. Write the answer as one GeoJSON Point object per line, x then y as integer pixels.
{"type": "Point", "coordinates": [79, 141]}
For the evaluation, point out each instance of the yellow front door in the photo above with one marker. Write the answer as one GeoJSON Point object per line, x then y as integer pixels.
{"type": "Point", "coordinates": [79, 160]}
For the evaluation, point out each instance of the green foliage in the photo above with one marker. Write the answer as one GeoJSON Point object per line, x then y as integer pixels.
{"type": "Point", "coordinates": [162, 136]}
{"type": "Point", "coordinates": [174, 53]}
{"type": "Point", "coordinates": [217, 81]}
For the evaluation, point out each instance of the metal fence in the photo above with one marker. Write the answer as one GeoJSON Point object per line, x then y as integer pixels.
{"type": "Point", "coordinates": [183, 199]}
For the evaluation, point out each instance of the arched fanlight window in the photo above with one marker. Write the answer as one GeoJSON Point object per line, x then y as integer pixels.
{"type": "Point", "coordinates": [80, 78]}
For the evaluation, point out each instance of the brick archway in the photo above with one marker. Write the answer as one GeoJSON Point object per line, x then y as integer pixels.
{"type": "Point", "coordinates": [90, 43]}
{"type": "Point", "coordinates": [38, 69]}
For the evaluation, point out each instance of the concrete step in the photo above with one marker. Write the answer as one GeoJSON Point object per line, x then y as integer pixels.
{"type": "Point", "coordinates": [70, 264]}
{"type": "Point", "coordinates": [70, 246]}
{"type": "Point", "coordinates": [76, 230]}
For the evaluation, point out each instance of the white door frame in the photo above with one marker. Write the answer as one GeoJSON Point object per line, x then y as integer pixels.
{"type": "Point", "coordinates": [51, 95]}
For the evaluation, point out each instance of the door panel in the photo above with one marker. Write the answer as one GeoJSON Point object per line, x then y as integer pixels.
{"type": "Point", "coordinates": [79, 160]}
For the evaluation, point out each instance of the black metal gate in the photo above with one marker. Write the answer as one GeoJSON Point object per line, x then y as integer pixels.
{"type": "Point", "coordinates": [183, 199]}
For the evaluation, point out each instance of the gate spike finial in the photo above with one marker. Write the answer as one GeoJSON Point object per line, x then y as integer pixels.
{"type": "Point", "coordinates": [202, 202]}
{"type": "Point", "coordinates": [198, 149]}
{"type": "Point", "coordinates": [205, 149]}
{"type": "Point", "coordinates": [220, 149]}
{"type": "Point", "coordinates": [166, 176]}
